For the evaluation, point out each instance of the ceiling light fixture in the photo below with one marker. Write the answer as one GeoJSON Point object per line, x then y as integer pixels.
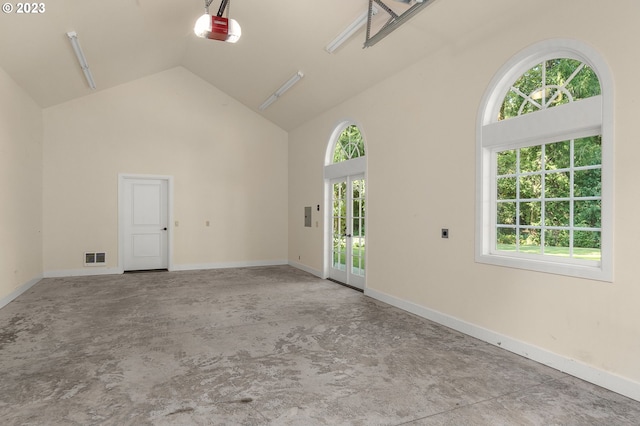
{"type": "Point", "coordinates": [73, 37]}
{"type": "Point", "coordinates": [351, 29]}
{"type": "Point", "coordinates": [217, 27]}
{"type": "Point", "coordinates": [286, 86]}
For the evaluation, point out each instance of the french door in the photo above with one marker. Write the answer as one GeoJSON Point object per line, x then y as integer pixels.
{"type": "Point", "coordinates": [348, 207]}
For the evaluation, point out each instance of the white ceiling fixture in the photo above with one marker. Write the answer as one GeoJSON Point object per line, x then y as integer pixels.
{"type": "Point", "coordinates": [286, 86]}
{"type": "Point", "coordinates": [75, 43]}
{"type": "Point", "coordinates": [217, 27]}
{"type": "Point", "coordinates": [350, 30]}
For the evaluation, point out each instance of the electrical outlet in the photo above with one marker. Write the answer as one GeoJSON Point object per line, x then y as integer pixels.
{"type": "Point", "coordinates": [445, 233]}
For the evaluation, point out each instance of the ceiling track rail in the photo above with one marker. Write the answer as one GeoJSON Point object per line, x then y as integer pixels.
{"type": "Point", "coordinates": [394, 22]}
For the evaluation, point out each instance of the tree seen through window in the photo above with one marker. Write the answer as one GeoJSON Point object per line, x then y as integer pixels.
{"type": "Point", "coordinates": [549, 196]}
{"type": "Point", "coordinates": [350, 145]}
{"type": "Point", "coordinates": [551, 83]}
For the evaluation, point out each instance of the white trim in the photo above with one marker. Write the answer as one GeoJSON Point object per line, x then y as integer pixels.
{"type": "Point", "coordinates": [575, 120]}
{"type": "Point", "coordinates": [328, 228]}
{"type": "Point", "coordinates": [335, 134]}
{"type": "Point", "coordinates": [121, 178]}
{"type": "Point", "coordinates": [62, 273]}
{"type": "Point", "coordinates": [224, 265]}
{"type": "Point", "coordinates": [18, 291]}
{"type": "Point", "coordinates": [355, 166]}
{"type": "Point", "coordinates": [305, 268]}
{"type": "Point", "coordinates": [333, 171]}
{"type": "Point", "coordinates": [605, 379]}
{"type": "Point", "coordinates": [537, 53]}
{"type": "Point", "coordinates": [487, 114]}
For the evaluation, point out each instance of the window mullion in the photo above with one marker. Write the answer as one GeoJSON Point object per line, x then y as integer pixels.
{"type": "Point", "coordinates": [518, 200]}
{"type": "Point", "coordinates": [572, 76]}
{"type": "Point", "coordinates": [543, 178]}
{"type": "Point", "coordinates": [571, 195]}
{"type": "Point", "coordinates": [544, 85]}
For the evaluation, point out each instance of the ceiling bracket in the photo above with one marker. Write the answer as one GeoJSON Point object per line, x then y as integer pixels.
{"type": "Point", "coordinates": [386, 9]}
{"type": "Point", "coordinates": [395, 20]}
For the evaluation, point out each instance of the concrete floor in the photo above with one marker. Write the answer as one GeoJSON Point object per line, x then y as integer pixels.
{"type": "Point", "coordinates": [258, 346]}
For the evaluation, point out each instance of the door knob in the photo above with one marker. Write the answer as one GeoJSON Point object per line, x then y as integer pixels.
{"type": "Point", "coordinates": [164, 229]}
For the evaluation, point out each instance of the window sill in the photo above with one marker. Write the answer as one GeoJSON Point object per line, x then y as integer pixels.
{"type": "Point", "coordinates": [552, 266]}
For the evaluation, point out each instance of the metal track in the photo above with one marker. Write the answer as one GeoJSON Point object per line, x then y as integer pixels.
{"type": "Point", "coordinates": [394, 23]}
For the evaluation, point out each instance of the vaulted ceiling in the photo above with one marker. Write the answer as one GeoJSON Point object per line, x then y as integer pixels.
{"type": "Point", "coordinates": [126, 40]}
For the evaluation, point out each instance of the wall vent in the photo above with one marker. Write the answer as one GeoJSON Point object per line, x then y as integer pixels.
{"type": "Point", "coordinates": [95, 258]}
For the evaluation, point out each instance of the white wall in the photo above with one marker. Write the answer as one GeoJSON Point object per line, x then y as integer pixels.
{"type": "Point", "coordinates": [421, 139]}
{"type": "Point", "coordinates": [20, 188]}
{"type": "Point", "coordinates": [229, 167]}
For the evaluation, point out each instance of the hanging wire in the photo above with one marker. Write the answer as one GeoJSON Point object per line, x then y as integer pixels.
{"type": "Point", "coordinates": [223, 6]}
{"type": "Point", "coordinates": [207, 3]}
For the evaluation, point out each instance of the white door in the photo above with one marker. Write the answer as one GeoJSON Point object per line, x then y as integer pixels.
{"type": "Point", "coordinates": [348, 231]}
{"type": "Point", "coordinates": [145, 216]}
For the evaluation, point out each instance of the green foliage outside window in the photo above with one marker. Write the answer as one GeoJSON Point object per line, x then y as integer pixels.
{"type": "Point", "coordinates": [549, 196]}
{"type": "Point", "coordinates": [537, 204]}
{"type": "Point", "coordinates": [549, 84]}
{"type": "Point", "coordinates": [350, 145]}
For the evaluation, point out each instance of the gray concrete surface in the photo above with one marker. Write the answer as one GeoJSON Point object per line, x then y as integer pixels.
{"type": "Point", "coordinates": [263, 346]}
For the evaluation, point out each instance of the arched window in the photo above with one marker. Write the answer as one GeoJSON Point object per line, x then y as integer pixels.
{"type": "Point", "coordinates": [345, 183]}
{"type": "Point", "coordinates": [349, 145]}
{"type": "Point", "coordinates": [346, 153]}
{"type": "Point", "coordinates": [544, 163]}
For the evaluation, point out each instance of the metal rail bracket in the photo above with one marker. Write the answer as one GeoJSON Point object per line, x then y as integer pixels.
{"type": "Point", "coordinates": [395, 20]}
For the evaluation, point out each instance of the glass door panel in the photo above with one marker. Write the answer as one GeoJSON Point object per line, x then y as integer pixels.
{"type": "Point", "coordinates": [348, 230]}
{"type": "Point", "coordinates": [339, 231]}
{"type": "Point", "coordinates": [357, 228]}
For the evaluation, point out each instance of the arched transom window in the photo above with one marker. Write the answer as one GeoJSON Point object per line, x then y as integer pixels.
{"type": "Point", "coordinates": [544, 165]}
{"type": "Point", "coordinates": [349, 145]}
{"type": "Point", "coordinates": [553, 82]}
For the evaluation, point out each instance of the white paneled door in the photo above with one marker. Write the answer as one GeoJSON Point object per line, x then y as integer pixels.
{"type": "Point", "coordinates": [348, 231]}
{"type": "Point", "coordinates": [145, 216]}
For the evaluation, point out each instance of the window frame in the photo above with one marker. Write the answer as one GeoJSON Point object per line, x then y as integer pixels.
{"type": "Point", "coordinates": [578, 119]}
{"type": "Point", "coordinates": [346, 167]}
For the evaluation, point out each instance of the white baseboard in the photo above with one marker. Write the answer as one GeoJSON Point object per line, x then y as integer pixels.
{"type": "Point", "coordinates": [306, 269]}
{"type": "Point", "coordinates": [61, 273]}
{"type": "Point", "coordinates": [242, 264]}
{"type": "Point", "coordinates": [607, 380]}
{"type": "Point", "coordinates": [18, 291]}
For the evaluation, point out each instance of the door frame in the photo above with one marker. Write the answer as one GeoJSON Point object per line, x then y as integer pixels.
{"type": "Point", "coordinates": [350, 279]}
{"type": "Point", "coordinates": [332, 172]}
{"type": "Point", "coordinates": [122, 177]}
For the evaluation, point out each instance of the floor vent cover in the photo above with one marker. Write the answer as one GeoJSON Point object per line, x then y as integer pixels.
{"type": "Point", "coordinates": [95, 259]}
